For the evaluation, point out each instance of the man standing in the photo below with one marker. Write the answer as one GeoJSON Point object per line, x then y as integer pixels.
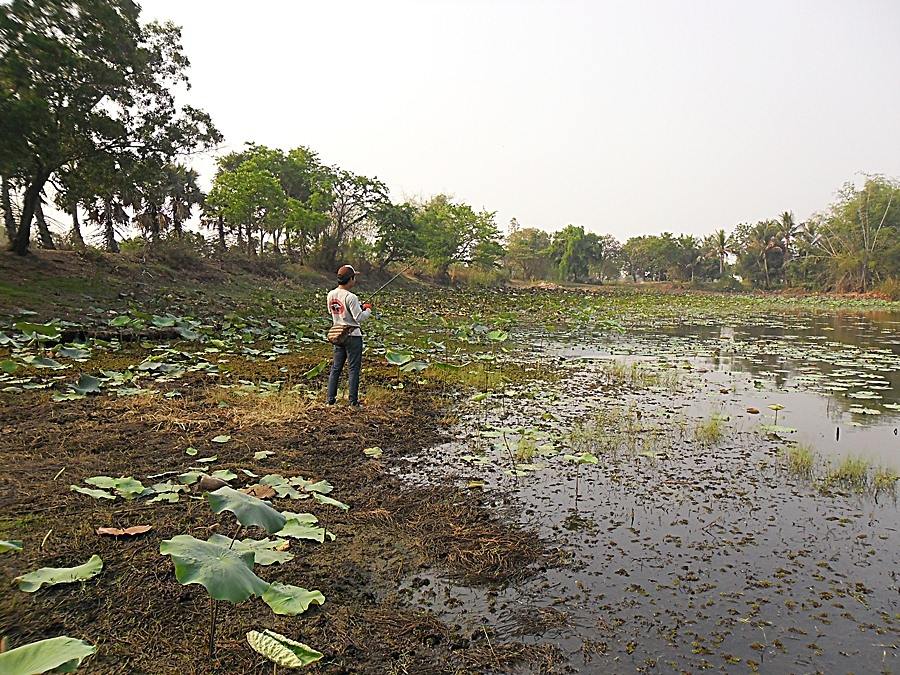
{"type": "Point", "coordinates": [346, 311]}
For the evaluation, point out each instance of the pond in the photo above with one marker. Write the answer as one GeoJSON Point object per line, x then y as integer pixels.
{"type": "Point", "coordinates": [721, 523]}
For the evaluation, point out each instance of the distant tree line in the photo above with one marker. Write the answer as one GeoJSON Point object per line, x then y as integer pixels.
{"type": "Point", "coordinates": [852, 245]}
{"type": "Point", "coordinates": [88, 120]}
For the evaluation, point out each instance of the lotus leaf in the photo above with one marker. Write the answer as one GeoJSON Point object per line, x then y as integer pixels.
{"type": "Point", "coordinates": [248, 510]}
{"type": "Point", "coordinates": [59, 575]}
{"type": "Point", "coordinates": [221, 439]}
{"type": "Point", "coordinates": [316, 370]}
{"type": "Point", "coordinates": [96, 494]}
{"type": "Point", "coordinates": [265, 551]}
{"type": "Point", "coordinates": [583, 458]}
{"type": "Point", "coordinates": [225, 574]}
{"type": "Point", "coordinates": [61, 654]}
{"type": "Point", "coordinates": [290, 600]}
{"type": "Point", "coordinates": [282, 650]}
{"type": "Point", "coordinates": [7, 545]}
{"type": "Point", "coordinates": [127, 487]}
{"type": "Point", "coordinates": [322, 499]}
{"type": "Point", "coordinates": [397, 358]}
{"type": "Point", "coordinates": [87, 384]}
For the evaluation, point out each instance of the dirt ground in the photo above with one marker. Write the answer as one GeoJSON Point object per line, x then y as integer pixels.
{"type": "Point", "coordinates": [144, 621]}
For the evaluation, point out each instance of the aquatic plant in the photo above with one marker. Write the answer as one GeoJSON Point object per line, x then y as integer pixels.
{"type": "Point", "coordinates": [710, 431]}
{"type": "Point", "coordinates": [800, 460]}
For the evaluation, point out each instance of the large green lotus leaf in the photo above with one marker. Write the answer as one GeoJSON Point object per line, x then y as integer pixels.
{"type": "Point", "coordinates": [87, 384]}
{"type": "Point", "coordinates": [397, 358]}
{"type": "Point", "coordinates": [62, 654]}
{"type": "Point", "coordinates": [225, 574]}
{"type": "Point", "coordinates": [10, 545]}
{"type": "Point", "coordinates": [248, 510]}
{"type": "Point", "coordinates": [282, 650]}
{"type": "Point", "coordinates": [322, 499]}
{"type": "Point", "coordinates": [498, 336]}
{"type": "Point", "coordinates": [263, 550]}
{"type": "Point", "coordinates": [290, 600]}
{"type": "Point", "coordinates": [413, 367]}
{"type": "Point", "coordinates": [59, 575]}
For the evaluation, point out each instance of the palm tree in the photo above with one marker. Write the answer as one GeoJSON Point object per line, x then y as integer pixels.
{"type": "Point", "coordinates": [182, 194]}
{"type": "Point", "coordinates": [763, 241]}
{"type": "Point", "coordinates": [718, 245]}
{"type": "Point", "coordinates": [788, 232]}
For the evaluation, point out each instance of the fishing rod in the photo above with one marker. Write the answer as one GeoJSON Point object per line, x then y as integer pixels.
{"type": "Point", "coordinates": [389, 281]}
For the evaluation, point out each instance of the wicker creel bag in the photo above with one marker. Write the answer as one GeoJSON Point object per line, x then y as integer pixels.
{"type": "Point", "coordinates": [338, 335]}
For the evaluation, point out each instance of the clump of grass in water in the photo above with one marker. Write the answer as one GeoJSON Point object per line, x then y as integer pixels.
{"type": "Point", "coordinates": [853, 473]}
{"type": "Point", "coordinates": [884, 480]}
{"type": "Point", "coordinates": [710, 431]}
{"type": "Point", "coordinates": [800, 460]}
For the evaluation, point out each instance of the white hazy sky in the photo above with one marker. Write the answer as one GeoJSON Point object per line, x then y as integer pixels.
{"type": "Point", "coordinates": [628, 117]}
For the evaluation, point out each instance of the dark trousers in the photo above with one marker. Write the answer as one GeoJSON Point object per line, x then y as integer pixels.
{"type": "Point", "coordinates": [350, 353]}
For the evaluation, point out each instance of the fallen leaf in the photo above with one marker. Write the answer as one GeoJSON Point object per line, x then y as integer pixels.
{"type": "Point", "coordinates": [127, 532]}
{"type": "Point", "coordinates": [259, 491]}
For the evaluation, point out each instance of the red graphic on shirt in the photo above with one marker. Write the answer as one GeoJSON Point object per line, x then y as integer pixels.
{"type": "Point", "coordinates": [336, 306]}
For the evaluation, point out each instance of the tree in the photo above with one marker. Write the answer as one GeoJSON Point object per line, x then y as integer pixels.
{"type": "Point", "coordinates": [456, 233]}
{"type": "Point", "coordinates": [80, 79]}
{"type": "Point", "coordinates": [182, 194]}
{"type": "Point", "coordinates": [396, 234]}
{"type": "Point", "coordinates": [528, 251]}
{"type": "Point", "coordinates": [250, 196]}
{"type": "Point", "coordinates": [354, 201]}
{"type": "Point", "coordinates": [718, 246]}
{"type": "Point", "coordinates": [859, 234]}
{"type": "Point", "coordinates": [759, 250]}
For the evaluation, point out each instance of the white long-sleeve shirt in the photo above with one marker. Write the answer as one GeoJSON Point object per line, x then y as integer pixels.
{"type": "Point", "coordinates": [345, 309]}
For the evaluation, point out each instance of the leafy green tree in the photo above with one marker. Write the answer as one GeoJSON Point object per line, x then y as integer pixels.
{"type": "Point", "coordinates": [83, 78]}
{"type": "Point", "coordinates": [248, 196]}
{"type": "Point", "coordinates": [354, 202]}
{"type": "Point", "coordinates": [528, 252]}
{"type": "Point", "coordinates": [860, 234]}
{"type": "Point", "coordinates": [456, 233]}
{"type": "Point", "coordinates": [396, 234]}
{"type": "Point", "coordinates": [760, 251]}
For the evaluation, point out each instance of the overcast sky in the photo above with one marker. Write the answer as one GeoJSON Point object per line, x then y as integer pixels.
{"type": "Point", "coordinates": [628, 117]}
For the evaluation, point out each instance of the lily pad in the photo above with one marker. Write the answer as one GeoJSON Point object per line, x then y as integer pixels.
{"type": "Point", "coordinates": [248, 510]}
{"type": "Point", "coordinates": [290, 600]}
{"type": "Point", "coordinates": [225, 574]}
{"type": "Point", "coordinates": [50, 576]}
{"type": "Point", "coordinates": [61, 654]}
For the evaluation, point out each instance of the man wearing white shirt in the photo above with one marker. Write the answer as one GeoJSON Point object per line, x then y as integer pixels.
{"type": "Point", "coordinates": [345, 310]}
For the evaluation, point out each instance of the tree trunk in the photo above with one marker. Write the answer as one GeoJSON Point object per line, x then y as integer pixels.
{"type": "Point", "coordinates": [76, 229]}
{"type": "Point", "coordinates": [287, 244]}
{"type": "Point", "coordinates": [30, 201]}
{"type": "Point", "coordinates": [221, 225]}
{"type": "Point", "coordinates": [261, 240]}
{"type": "Point", "coordinates": [721, 266]}
{"type": "Point", "coordinates": [8, 219]}
{"type": "Point", "coordinates": [176, 223]}
{"type": "Point", "coordinates": [109, 232]}
{"type": "Point", "coordinates": [154, 225]}
{"type": "Point", "coordinates": [43, 230]}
